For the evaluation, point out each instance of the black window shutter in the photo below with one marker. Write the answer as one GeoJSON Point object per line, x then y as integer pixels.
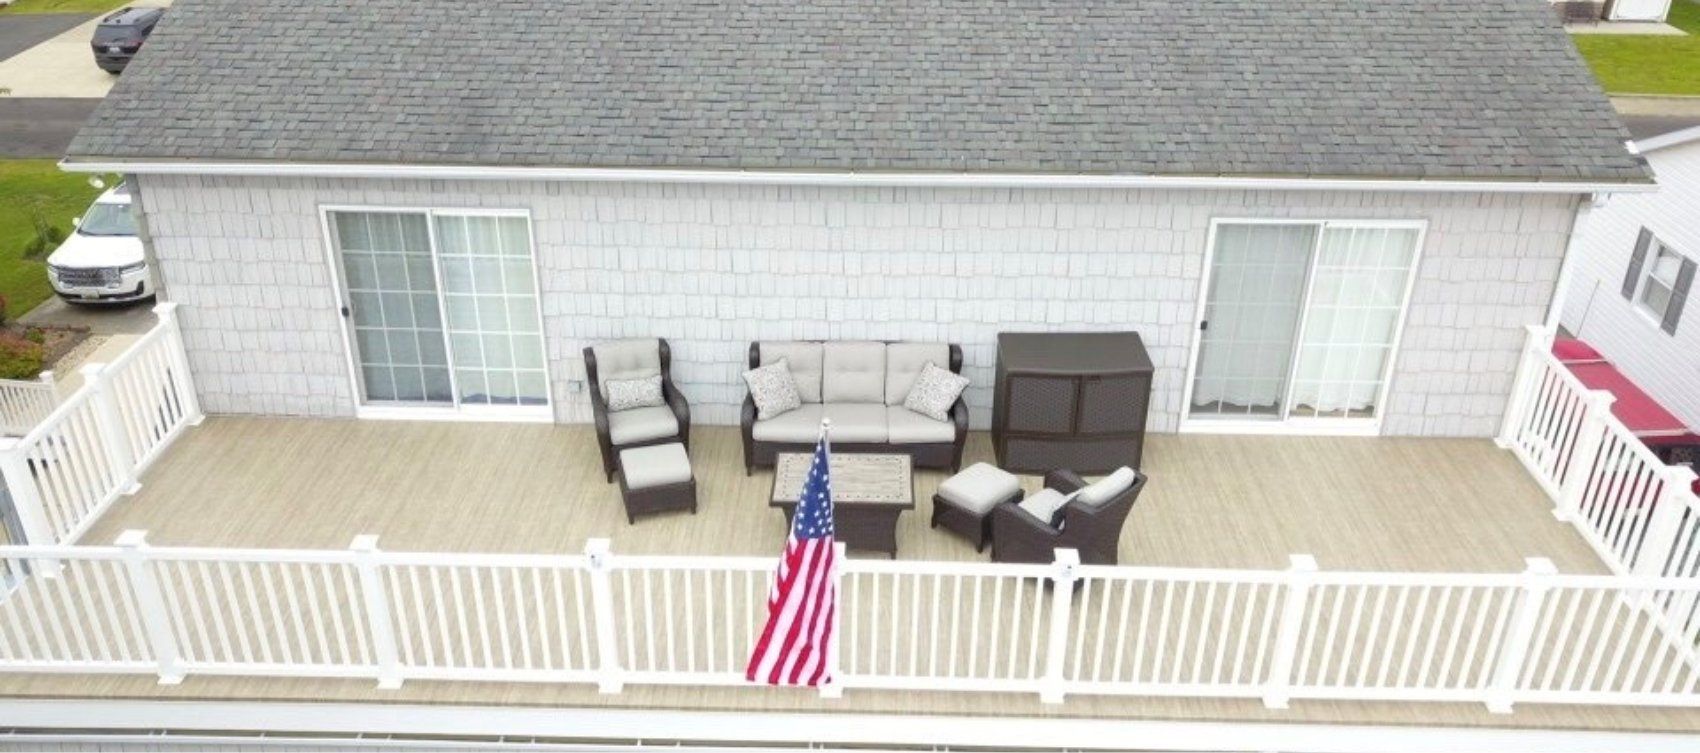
{"type": "Point", "coordinates": [1678, 296]}
{"type": "Point", "coordinates": [1636, 260]}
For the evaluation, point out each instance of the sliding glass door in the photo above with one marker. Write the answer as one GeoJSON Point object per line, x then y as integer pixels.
{"type": "Point", "coordinates": [1299, 323]}
{"type": "Point", "coordinates": [441, 310]}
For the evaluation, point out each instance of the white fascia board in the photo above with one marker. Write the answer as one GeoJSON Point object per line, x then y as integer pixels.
{"type": "Point", "coordinates": [877, 179]}
{"type": "Point", "coordinates": [1665, 140]}
{"type": "Point", "coordinates": [779, 728]}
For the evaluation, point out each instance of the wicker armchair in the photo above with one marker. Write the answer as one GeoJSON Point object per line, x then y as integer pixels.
{"type": "Point", "coordinates": [639, 427]}
{"type": "Point", "coordinates": [1094, 530]}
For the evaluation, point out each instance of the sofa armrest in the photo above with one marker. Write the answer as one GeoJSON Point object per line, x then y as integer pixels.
{"type": "Point", "coordinates": [959, 417]}
{"type": "Point", "coordinates": [747, 416]}
{"type": "Point", "coordinates": [1065, 481]}
{"type": "Point", "coordinates": [681, 407]}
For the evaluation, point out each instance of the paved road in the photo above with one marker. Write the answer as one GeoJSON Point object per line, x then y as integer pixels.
{"type": "Point", "coordinates": [41, 127]}
{"type": "Point", "coordinates": [22, 31]}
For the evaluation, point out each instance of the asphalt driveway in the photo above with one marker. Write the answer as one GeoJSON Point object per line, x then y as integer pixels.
{"type": "Point", "coordinates": [22, 31]}
{"type": "Point", "coordinates": [40, 127]}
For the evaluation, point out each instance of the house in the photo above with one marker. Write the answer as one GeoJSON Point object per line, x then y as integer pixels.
{"type": "Point", "coordinates": [1634, 273]}
{"type": "Point", "coordinates": [385, 231]}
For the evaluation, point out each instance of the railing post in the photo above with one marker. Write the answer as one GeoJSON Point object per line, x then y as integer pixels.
{"type": "Point", "coordinates": [1537, 582]}
{"type": "Point", "coordinates": [1301, 578]}
{"type": "Point", "coordinates": [378, 617]}
{"type": "Point", "coordinates": [25, 494]}
{"type": "Point", "coordinates": [1590, 437]}
{"type": "Point", "coordinates": [179, 357]}
{"type": "Point", "coordinates": [834, 685]}
{"type": "Point", "coordinates": [1664, 525]}
{"type": "Point", "coordinates": [1062, 603]}
{"type": "Point", "coordinates": [1510, 425]}
{"type": "Point", "coordinates": [150, 605]}
{"type": "Point", "coordinates": [111, 425]}
{"type": "Point", "coordinates": [602, 612]}
{"type": "Point", "coordinates": [52, 385]}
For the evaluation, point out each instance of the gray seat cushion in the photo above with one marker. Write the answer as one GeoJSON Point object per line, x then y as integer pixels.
{"type": "Point", "coordinates": [626, 359]}
{"type": "Point", "coordinates": [979, 487]}
{"type": "Point", "coordinates": [804, 360]}
{"type": "Point", "coordinates": [1044, 505]}
{"type": "Point", "coordinates": [851, 422]}
{"type": "Point", "coordinates": [903, 363]}
{"type": "Point", "coordinates": [904, 426]}
{"type": "Point", "coordinates": [657, 465]}
{"type": "Point", "coordinates": [853, 372]}
{"type": "Point", "coordinates": [642, 424]}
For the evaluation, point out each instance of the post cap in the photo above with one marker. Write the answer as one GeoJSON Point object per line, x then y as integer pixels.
{"type": "Point", "coordinates": [1540, 566]}
{"type": "Point", "coordinates": [1302, 562]}
{"type": "Point", "coordinates": [131, 537]}
{"type": "Point", "coordinates": [365, 542]}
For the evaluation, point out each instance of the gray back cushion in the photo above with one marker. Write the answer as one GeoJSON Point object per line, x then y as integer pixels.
{"type": "Point", "coordinates": [904, 361]}
{"type": "Point", "coordinates": [853, 372]}
{"type": "Point", "coordinates": [804, 360]}
{"type": "Point", "coordinates": [626, 359]}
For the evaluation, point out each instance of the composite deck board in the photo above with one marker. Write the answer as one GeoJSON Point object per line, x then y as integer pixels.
{"type": "Point", "coordinates": [1213, 501]}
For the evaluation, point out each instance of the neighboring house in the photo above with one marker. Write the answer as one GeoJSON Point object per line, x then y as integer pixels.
{"type": "Point", "coordinates": [669, 170]}
{"type": "Point", "coordinates": [1632, 296]}
{"type": "Point", "coordinates": [1650, 11]}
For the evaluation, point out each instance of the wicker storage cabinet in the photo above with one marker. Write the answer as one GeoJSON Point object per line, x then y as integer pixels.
{"type": "Point", "coordinates": [1075, 400]}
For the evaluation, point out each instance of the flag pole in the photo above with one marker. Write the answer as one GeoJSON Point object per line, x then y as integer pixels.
{"type": "Point", "coordinates": [832, 687]}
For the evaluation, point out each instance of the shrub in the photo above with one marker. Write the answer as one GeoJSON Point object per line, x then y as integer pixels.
{"type": "Point", "coordinates": [34, 334]}
{"type": "Point", "coordinates": [19, 358]}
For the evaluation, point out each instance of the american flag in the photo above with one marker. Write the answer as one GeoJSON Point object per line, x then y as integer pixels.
{"type": "Point", "coordinates": [796, 644]}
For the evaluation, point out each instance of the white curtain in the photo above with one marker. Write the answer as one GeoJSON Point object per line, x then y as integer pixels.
{"type": "Point", "coordinates": [1257, 282]}
{"type": "Point", "coordinates": [1358, 292]}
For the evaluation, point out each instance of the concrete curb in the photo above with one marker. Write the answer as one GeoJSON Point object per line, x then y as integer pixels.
{"type": "Point", "coordinates": [1649, 104]}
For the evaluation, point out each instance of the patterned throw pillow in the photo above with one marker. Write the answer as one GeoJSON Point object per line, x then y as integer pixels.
{"type": "Point", "coordinates": [773, 389]}
{"type": "Point", "coordinates": [626, 394]}
{"type": "Point", "coordinates": [934, 392]}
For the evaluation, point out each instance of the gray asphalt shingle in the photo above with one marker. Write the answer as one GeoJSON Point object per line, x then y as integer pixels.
{"type": "Point", "coordinates": [1386, 88]}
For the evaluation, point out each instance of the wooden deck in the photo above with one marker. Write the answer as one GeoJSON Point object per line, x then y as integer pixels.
{"type": "Point", "coordinates": [1213, 501]}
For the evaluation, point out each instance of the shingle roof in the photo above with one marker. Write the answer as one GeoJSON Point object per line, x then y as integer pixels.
{"type": "Point", "coordinates": [1487, 89]}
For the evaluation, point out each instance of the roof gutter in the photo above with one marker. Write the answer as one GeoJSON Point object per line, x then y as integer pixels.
{"type": "Point", "coordinates": [1665, 140]}
{"type": "Point", "coordinates": [834, 179]}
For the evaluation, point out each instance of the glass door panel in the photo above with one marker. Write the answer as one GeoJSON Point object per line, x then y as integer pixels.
{"type": "Point", "coordinates": [1351, 320]}
{"type": "Point", "coordinates": [1251, 316]}
{"type": "Point", "coordinates": [490, 294]}
{"type": "Point", "coordinates": [392, 301]}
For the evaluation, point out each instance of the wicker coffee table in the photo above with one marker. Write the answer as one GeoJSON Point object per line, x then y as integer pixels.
{"type": "Point", "coordinates": [869, 492]}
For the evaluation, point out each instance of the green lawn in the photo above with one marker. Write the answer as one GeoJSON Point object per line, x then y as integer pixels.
{"type": "Point", "coordinates": [1636, 64]}
{"type": "Point", "coordinates": [26, 185]}
{"type": "Point", "coordinates": [61, 6]}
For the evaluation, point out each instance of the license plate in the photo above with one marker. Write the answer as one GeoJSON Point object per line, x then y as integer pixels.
{"type": "Point", "coordinates": [88, 295]}
{"type": "Point", "coordinates": [114, 50]}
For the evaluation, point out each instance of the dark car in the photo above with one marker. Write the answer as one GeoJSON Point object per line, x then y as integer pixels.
{"type": "Point", "coordinates": [120, 36]}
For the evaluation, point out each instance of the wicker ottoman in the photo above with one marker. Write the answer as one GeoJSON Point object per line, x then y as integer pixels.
{"type": "Point", "coordinates": [964, 502]}
{"type": "Point", "coordinates": [657, 478]}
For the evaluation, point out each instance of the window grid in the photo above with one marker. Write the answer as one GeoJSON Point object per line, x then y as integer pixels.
{"type": "Point", "coordinates": [392, 297]}
{"type": "Point", "coordinates": [492, 325]}
{"type": "Point", "coordinates": [1343, 352]}
{"type": "Point", "coordinates": [1660, 284]}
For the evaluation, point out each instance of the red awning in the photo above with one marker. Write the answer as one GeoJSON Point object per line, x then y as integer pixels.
{"type": "Point", "coordinates": [1634, 407]}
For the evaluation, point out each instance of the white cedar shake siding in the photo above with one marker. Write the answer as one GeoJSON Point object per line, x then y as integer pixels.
{"type": "Point", "coordinates": [711, 268]}
{"type": "Point", "coordinates": [1666, 366]}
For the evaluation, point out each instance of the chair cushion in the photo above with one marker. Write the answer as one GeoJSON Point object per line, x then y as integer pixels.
{"type": "Point", "coordinates": [805, 361]}
{"type": "Point", "coordinates": [1106, 488]}
{"type": "Point", "coordinates": [773, 389]}
{"type": "Point", "coordinates": [904, 426]}
{"type": "Point", "coordinates": [626, 394]}
{"type": "Point", "coordinates": [1046, 505]}
{"type": "Point", "coordinates": [853, 372]}
{"type": "Point", "coordinates": [656, 465]}
{"type": "Point", "coordinates": [642, 424]}
{"type": "Point", "coordinates": [935, 391]}
{"type": "Point", "coordinates": [979, 487]}
{"type": "Point", "coordinates": [626, 359]}
{"type": "Point", "coordinates": [904, 362]}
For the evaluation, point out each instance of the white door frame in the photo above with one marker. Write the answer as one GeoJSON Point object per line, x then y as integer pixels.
{"type": "Point", "coordinates": [1287, 424]}
{"type": "Point", "coordinates": [457, 412]}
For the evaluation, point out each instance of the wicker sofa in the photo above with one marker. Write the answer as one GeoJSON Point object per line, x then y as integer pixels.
{"type": "Point", "coordinates": [861, 387]}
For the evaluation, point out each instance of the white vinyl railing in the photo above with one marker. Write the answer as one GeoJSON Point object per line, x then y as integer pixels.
{"type": "Point", "coordinates": [25, 402]}
{"type": "Point", "coordinates": [66, 470]}
{"type": "Point", "coordinates": [1640, 515]}
{"type": "Point", "coordinates": [1054, 630]}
